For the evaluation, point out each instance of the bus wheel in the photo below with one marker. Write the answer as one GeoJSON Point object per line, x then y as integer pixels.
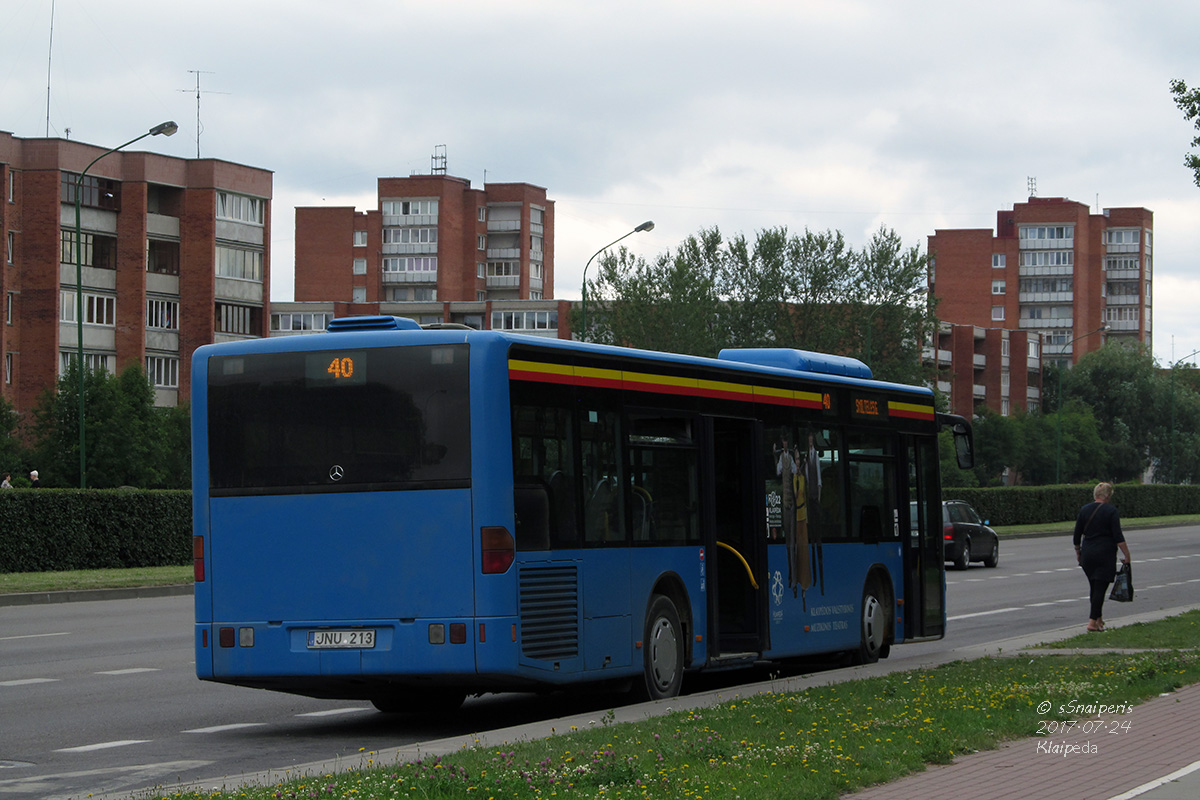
{"type": "Point", "coordinates": [873, 625]}
{"type": "Point", "coordinates": [427, 700]}
{"type": "Point", "coordinates": [662, 650]}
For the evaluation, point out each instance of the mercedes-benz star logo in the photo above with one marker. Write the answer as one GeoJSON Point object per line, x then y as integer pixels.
{"type": "Point", "coordinates": [336, 472]}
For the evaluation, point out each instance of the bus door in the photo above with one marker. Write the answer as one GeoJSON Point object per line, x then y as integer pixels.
{"type": "Point", "coordinates": [734, 517]}
{"type": "Point", "coordinates": [924, 568]}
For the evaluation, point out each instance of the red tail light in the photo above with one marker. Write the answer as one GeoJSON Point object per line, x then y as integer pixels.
{"type": "Point", "coordinates": [198, 558]}
{"type": "Point", "coordinates": [499, 550]}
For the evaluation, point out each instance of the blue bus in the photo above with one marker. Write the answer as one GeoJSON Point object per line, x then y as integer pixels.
{"type": "Point", "coordinates": [409, 516]}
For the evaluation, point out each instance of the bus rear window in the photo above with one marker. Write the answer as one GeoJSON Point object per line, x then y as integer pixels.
{"type": "Point", "coordinates": [339, 420]}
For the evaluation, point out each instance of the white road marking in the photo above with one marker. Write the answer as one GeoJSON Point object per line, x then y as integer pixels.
{"type": "Point", "coordinates": [1154, 784]}
{"type": "Point", "coordinates": [333, 712]}
{"type": "Point", "coordinates": [130, 671]}
{"type": "Point", "coordinates": [222, 728]}
{"type": "Point", "coordinates": [33, 636]}
{"type": "Point", "coordinates": [27, 681]}
{"type": "Point", "coordinates": [982, 613]}
{"type": "Point", "coordinates": [87, 748]}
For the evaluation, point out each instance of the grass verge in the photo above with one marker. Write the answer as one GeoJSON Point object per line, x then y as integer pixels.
{"type": "Point", "coordinates": [21, 582]}
{"type": "Point", "coordinates": [814, 744]}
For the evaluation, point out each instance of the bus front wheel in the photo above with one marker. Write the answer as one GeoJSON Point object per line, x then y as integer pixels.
{"type": "Point", "coordinates": [873, 625]}
{"type": "Point", "coordinates": [662, 650]}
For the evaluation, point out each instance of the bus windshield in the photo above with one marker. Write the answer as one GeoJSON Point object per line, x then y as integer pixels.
{"type": "Point", "coordinates": [339, 420]}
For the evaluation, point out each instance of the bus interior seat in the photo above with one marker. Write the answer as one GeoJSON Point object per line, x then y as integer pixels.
{"type": "Point", "coordinates": [532, 505]}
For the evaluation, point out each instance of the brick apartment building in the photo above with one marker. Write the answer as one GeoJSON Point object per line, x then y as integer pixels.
{"type": "Point", "coordinates": [1051, 268]}
{"type": "Point", "coordinates": [176, 254]}
{"type": "Point", "coordinates": [430, 239]}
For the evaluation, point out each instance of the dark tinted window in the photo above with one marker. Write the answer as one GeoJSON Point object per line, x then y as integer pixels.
{"type": "Point", "coordinates": [357, 420]}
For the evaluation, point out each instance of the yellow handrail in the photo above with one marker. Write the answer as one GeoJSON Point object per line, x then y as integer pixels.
{"type": "Point", "coordinates": [749, 574]}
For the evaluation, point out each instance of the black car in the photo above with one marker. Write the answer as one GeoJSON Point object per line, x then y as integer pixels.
{"type": "Point", "coordinates": [968, 538]}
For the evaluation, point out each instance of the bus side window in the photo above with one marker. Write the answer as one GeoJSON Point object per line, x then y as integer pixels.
{"type": "Point", "coordinates": [543, 487]}
{"type": "Point", "coordinates": [602, 517]}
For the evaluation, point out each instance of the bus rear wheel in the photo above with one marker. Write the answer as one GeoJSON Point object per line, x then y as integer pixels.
{"type": "Point", "coordinates": [662, 650]}
{"type": "Point", "coordinates": [429, 700]}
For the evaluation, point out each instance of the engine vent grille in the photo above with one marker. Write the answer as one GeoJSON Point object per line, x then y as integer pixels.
{"type": "Point", "coordinates": [550, 613]}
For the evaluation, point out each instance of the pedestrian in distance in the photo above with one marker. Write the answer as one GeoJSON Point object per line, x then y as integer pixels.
{"type": "Point", "coordinates": [7, 482]}
{"type": "Point", "coordinates": [33, 479]}
{"type": "Point", "coordinates": [1097, 537]}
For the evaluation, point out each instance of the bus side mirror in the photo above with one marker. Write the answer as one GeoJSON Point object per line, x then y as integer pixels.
{"type": "Point", "coordinates": [964, 443]}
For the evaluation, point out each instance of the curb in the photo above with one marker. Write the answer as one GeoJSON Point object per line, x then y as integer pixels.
{"type": "Point", "coordinates": [86, 595]}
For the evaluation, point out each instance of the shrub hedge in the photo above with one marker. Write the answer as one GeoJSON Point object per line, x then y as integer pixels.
{"type": "Point", "coordinates": [48, 530]}
{"type": "Point", "coordinates": [1031, 505]}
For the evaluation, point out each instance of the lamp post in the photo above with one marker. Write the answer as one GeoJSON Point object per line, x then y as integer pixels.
{"type": "Point", "coordinates": [165, 129]}
{"type": "Point", "coordinates": [645, 226]}
{"type": "Point", "coordinates": [1173, 366]}
{"type": "Point", "coordinates": [1058, 447]}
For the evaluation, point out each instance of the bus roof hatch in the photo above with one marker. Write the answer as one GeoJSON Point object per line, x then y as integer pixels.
{"type": "Point", "coordinates": [798, 360]}
{"type": "Point", "coordinates": [379, 323]}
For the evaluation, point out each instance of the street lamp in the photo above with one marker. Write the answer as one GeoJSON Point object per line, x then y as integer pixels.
{"type": "Point", "coordinates": [645, 226]}
{"type": "Point", "coordinates": [165, 129]}
{"type": "Point", "coordinates": [1173, 366]}
{"type": "Point", "coordinates": [1058, 454]}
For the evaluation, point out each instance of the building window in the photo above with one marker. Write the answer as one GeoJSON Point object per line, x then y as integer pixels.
{"type": "Point", "coordinates": [480, 296]}
{"type": "Point", "coordinates": [95, 192]}
{"type": "Point", "coordinates": [1047, 285]}
{"type": "Point", "coordinates": [410, 235]}
{"type": "Point", "coordinates": [162, 257]}
{"type": "Point", "coordinates": [360, 238]}
{"type": "Point", "coordinates": [1052, 232]}
{"type": "Point", "coordinates": [534, 294]}
{"type": "Point", "coordinates": [481, 242]}
{"type": "Point", "coordinates": [416, 294]}
{"type": "Point", "coordinates": [300, 321]}
{"type": "Point", "coordinates": [498, 269]}
{"type": "Point", "coordinates": [9, 302]}
{"type": "Point", "coordinates": [1033, 350]}
{"type": "Point", "coordinates": [1121, 237]}
{"type": "Point", "coordinates": [358, 294]}
{"type": "Point", "coordinates": [998, 313]}
{"type": "Point", "coordinates": [233, 262]}
{"type": "Point", "coordinates": [404, 208]}
{"type": "Point", "coordinates": [12, 247]}
{"type": "Point", "coordinates": [1121, 314]}
{"type": "Point", "coordinates": [1004, 347]}
{"type": "Point", "coordinates": [92, 362]}
{"type": "Point", "coordinates": [524, 320]}
{"type": "Point", "coordinates": [360, 266]}
{"type": "Point", "coordinates": [240, 208]}
{"type": "Point", "coordinates": [481, 270]}
{"type": "Point", "coordinates": [162, 314]}
{"type": "Point", "coordinates": [11, 186]}
{"type": "Point", "coordinates": [243, 320]}
{"type": "Point", "coordinates": [536, 215]}
{"type": "Point", "coordinates": [997, 287]}
{"type": "Point", "coordinates": [99, 309]}
{"type": "Point", "coordinates": [8, 365]}
{"type": "Point", "coordinates": [98, 251]}
{"type": "Point", "coordinates": [999, 260]}
{"type": "Point", "coordinates": [163, 371]}
{"type": "Point", "coordinates": [482, 211]}
{"type": "Point", "coordinates": [410, 264]}
{"type": "Point", "coordinates": [1048, 258]}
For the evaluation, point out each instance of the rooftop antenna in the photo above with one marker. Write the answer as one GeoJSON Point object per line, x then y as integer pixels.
{"type": "Point", "coordinates": [49, 60]}
{"type": "Point", "coordinates": [1032, 183]}
{"type": "Point", "coordinates": [199, 126]}
{"type": "Point", "coordinates": [437, 162]}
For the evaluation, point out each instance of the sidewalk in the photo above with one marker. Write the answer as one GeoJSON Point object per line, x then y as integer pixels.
{"type": "Point", "coordinates": [1155, 759]}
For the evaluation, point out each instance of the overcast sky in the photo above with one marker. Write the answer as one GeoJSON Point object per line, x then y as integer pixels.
{"type": "Point", "coordinates": [747, 115]}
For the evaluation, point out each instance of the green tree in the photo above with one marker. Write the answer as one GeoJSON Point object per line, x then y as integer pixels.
{"type": "Point", "coordinates": [128, 442]}
{"type": "Point", "coordinates": [1188, 101]}
{"type": "Point", "coordinates": [12, 452]}
{"type": "Point", "coordinates": [811, 292]}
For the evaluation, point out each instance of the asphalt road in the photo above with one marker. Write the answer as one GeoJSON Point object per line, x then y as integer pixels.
{"type": "Point", "coordinates": [101, 696]}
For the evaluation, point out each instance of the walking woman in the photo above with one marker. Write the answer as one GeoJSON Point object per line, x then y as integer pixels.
{"type": "Point", "coordinates": [1097, 537]}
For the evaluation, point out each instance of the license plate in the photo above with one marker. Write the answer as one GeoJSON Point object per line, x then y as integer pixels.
{"type": "Point", "coordinates": [358, 638]}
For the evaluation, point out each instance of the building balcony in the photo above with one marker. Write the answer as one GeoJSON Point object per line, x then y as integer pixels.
{"type": "Point", "coordinates": [536, 255]}
{"type": "Point", "coordinates": [408, 220]}
{"type": "Point", "coordinates": [1123, 274]}
{"type": "Point", "coordinates": [1124, 325]}
{"type": "Point", "coordinates": [496, 253]}
{"type": "Point", "coordinates": [944, 387]}
{"type": "Point", "coordinates": [429, 276]}
{"type": "Point", "coordinates": [1122, 300]}
{"type": "Point", "coordinates": [979, 391]}
{"type": "Point", "coordinates": [1122, 248]}
{"type": "Point", "coordinates": [503, 225]}
{"type": "Point", "coordinates": [503, 281]}
{"type": "Point", "coordinates": [535, 284]}
{"type": "Point", "coordinates": [420, 248]}
{"type": "Point", "coordinates": [1046, 297]}
{"type": "Point", "coordinates": [536, 228]}
{"type": "Point", "coordinates": [1033, 393]}
{"type": "Point", "coordinates": [1045, 323]}
{"type": "Point", "coordinates": [980, 361]}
